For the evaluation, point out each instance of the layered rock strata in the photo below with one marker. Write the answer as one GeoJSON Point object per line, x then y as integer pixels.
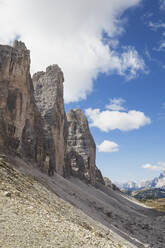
{"type": "Point", "coordinates": [33, 123]}
{"type": "Point", "coordinates": [48, 91]}
{"type": "Point", "coordinates": [81, 148]}
{"type": "Point", "coordinates": [20, 123]}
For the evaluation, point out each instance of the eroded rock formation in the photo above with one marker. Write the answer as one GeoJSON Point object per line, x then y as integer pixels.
{"type": "Point", "coordinates": [109, 184]}
{"type": "Point", "coordinates": [48, 89]}
{"type": "Point", "coordinates": [81, 148]}
{"type": "Point", "coordinates": [33, 123]}
{"type": "Point", "coordinates": [20, 122]}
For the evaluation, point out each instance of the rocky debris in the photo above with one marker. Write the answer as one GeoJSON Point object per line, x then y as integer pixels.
{"type": "Point", "coordinates": [81, 148]}
{"type": "Point", "coordinates": [20, 123]}
{"type": "Point", "coordinates": [48, 92]}
{"type": "Point", "coordinates": [109, 184]}
{"type": "Point", "coordinates": [31, 214]}
{"type": "Point", "coordinates": [36, 217]}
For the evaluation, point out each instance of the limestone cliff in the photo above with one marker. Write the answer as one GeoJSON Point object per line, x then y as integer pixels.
{"type": "Point", "coordinates": [33, 123]}
{"type": "Point", "coordinates": [81, 148]}
{"type": "Point", "coordinates": [20, 123]}
{"type": "Point", "coordinates": [48, 91]}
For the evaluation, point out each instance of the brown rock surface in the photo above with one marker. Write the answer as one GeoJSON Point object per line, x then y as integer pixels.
{"type": "Point", "coordinates": [20, 125]}
{"type": "Point", "coordinates": [33, 122]}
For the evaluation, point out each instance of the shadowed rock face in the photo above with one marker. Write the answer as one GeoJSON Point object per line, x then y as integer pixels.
{"type": "Point", "coordinates": [109, 184]}
{"type": "Point", "coordinates": [20, 122]}
{"type": "Point", "coordinates": [81, 148]}
{"type": "Point", "coordinates": [48, 91]}
{"type": "Point", "coordinates": [33, 123]}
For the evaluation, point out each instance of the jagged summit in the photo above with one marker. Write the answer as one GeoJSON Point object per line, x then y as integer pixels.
{"type": "Point", "coordinates": [49, 70]}
{"type": "Point", "coordinates": [48, 88]}
{"type": "Point", "coordinates": [19, 45]}
{"type": "Point", "coordinates": [81, 148]}
{"type": "Point", "coordinates": [33, 123]}
{"type": "Point", "coordinates": [38, 140]}
{"type": "Point", "coordinates": [157, 182]}
{"type": "Point", "coordinates": [48, 92]}
{"type": "Point", "coordinates": [20, 123]}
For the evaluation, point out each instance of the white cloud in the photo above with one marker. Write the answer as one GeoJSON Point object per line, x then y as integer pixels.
{"type": "Point", "coordinates": [108, 146]}
{"type": "Point", "coordinates": [159, 166]}
{"type": "Point", "coordinates": [156, 26]}
{"type": "Point", "coordinates": [116, 104]}
{"type": "Point", "coordinates": [151, 167]}
{"type": "Point", "coordinates": [130, 63]}
{"type": "Point", "coordinates": [162, 46]}
{"type": "Point", "coordinates": [69, 33]}
{"type": "Point", "coordinates": [162, 164]}
{"type": "Point", "coordinates": [147, 53]}
{"type": "Point", "coordinates": [110, 120]}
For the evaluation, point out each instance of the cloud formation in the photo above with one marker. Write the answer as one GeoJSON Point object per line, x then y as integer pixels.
{"type": "Point", "coordinates": [155, 26]}
{"type": "Point", "coordinates": [116, 104]}
{"type": "Point", "coordinates": [110, 120]}
{"type": "Point", "coordinates": [70, 33]}
{"type": "Point", "coordinates": [161, 46]}
{"type": "Point", "coordinates": [159, 166]}
{"type": "Point", "coordinates": [108, 146]}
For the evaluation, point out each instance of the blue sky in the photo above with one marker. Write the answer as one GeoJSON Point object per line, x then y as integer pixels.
{"type": "Point", "coordinates": [112, 55]}
{"type": "Point", "coordinates": [145, 93]}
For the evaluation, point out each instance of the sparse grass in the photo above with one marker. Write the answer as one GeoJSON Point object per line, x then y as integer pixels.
{"type": "Point", "coordinates": [158, 204]}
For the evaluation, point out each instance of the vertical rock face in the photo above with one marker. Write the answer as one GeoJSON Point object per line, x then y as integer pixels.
{"type": "Point", "coordinates": [33, 123]}
{"type": "Point", "coordinates": [20, 125]}
{"type": "Point", "coordinates": [48, 91]}
{"type": "Point", "coordinates": [81, 148]}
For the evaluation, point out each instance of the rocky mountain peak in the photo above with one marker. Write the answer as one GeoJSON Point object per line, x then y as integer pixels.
{"type": "Point", "coordinates": [81, 148]}
{"type": "Point", "coordinates": [20, 123]}
{"type": "Point", "coordinates": [19, 45]}
{"type": "Point", "coordinates": [48, 92]}
{"type": "Point", "coordinates": [162, 174]}
{"type": "Point", "coordinates": [48, 88]}
{"type": "Point", "coordinates": [33, 122]}
{"type": "Point", "coordinates": [157, 182]}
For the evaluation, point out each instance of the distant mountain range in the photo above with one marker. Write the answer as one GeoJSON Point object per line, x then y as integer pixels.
{"type": "Point", "coordinates": [157, 182]}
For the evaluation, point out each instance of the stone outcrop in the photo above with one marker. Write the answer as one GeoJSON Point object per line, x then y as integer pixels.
{"type": "Point", "coordinates": [33, 123]}
{"type": "Point", "coordinates": [99, 177]}
{"type": "Point", "coordinates": [48, 91]}
{"type": "Point", "coordinates": [109, 184]}
{"type": "Point", "coordinates": [81, 148]}
{"type": "Point", "coordinates": [20, 122]}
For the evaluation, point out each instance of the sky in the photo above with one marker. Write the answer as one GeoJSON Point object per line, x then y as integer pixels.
{"type": "Point", "coordinates": [112, 54]}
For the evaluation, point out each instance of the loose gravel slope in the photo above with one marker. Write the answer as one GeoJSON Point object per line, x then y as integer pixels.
{"type": "Point", "coordinates": [33, 216]}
